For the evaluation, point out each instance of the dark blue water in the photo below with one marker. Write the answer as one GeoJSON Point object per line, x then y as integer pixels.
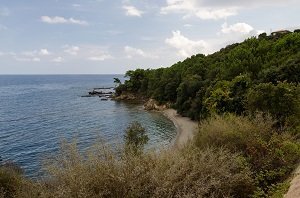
{"type": "Point", "coordinates": [37, 112]}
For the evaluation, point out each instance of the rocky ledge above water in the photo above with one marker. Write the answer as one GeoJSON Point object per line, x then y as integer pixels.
{"type": "Point", "coordinates": [149, 104]}
{"type": "Point", "coordinates": [127, 96]}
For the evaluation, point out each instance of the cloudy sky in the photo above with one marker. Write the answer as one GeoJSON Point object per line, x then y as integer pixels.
{"type": "Point", "coordinates": [113, 36]}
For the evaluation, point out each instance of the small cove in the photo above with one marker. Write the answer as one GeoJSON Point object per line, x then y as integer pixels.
{"type": "Point", "coordinates": [38, 112]}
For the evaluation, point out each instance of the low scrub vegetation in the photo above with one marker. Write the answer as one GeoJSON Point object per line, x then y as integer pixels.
{"type": "Point", "coordinates": [270, 153]}
{"type": "Point", "coordinates": [191, 172]}
{"type": "Point", "coordinates": [230, 156]}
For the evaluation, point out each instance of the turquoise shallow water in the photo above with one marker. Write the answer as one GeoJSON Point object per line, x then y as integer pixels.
{"type": "Point", "coordinates": [37, 112]}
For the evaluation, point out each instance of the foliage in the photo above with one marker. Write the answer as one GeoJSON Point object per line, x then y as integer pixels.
{"type": "Point", "coordinates": [135, 137]}
{"type": "Point", "coordinates": [282, 100]}
{"type": "Point", "coordinates": [258, 75]}
{"type": "Point", "coordinates": [117, 81]}
{"type": "Point", "coordinates": [189, 172]}
{"type": "Point", "coordinates": [271, 155]}
{"type": "Point", "coordinates": [11, 180]}
{"type": "Point", "coordinates": [219, 83]}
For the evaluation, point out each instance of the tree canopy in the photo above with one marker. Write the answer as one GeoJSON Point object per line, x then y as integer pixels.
{"type": "Point", "coordinates": [259, 74]}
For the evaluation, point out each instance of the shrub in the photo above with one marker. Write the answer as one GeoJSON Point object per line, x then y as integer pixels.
{"type": "Point", "coordinates": [211, 172]}
{"type": "Point", "coordinates": [10, 179]}
{"type": "Point", "coordinates": [271, 155]}
{"type": "Point", "coordinates": [282, 101]}
{"type": "Point", "coordinates": [190, 172]}
{"type": "Point", "coordinates": [135, 137]}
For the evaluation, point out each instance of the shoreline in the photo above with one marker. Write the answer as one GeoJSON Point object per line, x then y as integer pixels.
{"type": "Point", "coordinates": [294, 189]}
{"type": "Point", "coordinates": [185, 127]}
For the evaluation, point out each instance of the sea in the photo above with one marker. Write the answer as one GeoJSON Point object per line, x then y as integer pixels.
{"type": "Point", "coordinates": [39, 112]}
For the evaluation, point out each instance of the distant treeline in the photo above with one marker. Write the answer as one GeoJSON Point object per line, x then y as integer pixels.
{"type": "Point", "coordinates": [259, 74]}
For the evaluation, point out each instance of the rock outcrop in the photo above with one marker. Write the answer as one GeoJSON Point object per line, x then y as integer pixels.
{"type": "Point", "coordinates": [126, 96]}
{"type": "Point", "coordinates": [152, 104]}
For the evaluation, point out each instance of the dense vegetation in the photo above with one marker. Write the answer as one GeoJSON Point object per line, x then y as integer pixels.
{"type": "Point", "coordinates": [260, 74]}
{"type": "Point", "coordinates": [247, 99]}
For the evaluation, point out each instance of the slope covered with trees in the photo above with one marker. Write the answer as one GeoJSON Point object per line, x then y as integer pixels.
{"type": "Point", "coordinates": [247, 98]}
{"type": "Point", "coordinates": [259, 74]}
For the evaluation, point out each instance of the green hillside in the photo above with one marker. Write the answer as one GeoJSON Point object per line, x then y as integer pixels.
{"type": "Point", "coordinates": [259, 74]}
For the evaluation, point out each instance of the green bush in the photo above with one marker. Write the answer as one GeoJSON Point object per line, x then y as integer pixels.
{"type": "Point", "coordinates": [135, 138]}
{"type": "Point", "coordinates": [282, 101]}
{"type": "Point", "coordinates": [271, 155]}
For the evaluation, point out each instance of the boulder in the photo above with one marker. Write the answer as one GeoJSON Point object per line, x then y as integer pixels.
{"type": "Point", "coordinates": [152, 104]}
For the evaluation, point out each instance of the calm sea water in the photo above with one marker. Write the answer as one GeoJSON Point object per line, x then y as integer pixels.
{"type": "Point", "coordinates": [37, 112]}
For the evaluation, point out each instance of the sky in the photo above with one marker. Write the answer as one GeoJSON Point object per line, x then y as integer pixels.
{"type": "Point", "coordinates": [113, 36]}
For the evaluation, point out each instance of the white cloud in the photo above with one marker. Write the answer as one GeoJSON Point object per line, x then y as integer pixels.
{"type": "Point", "coordinates": [29, 56]}
{"type": "Point", "coordinates": [79, 22]}
{"type": "Point", "coordinates": [238, 32]}
{"type": "Point", "coordinates": [212, 13]}
{"type": "Point", "coordinates": [87, 52]}
{"type": "Point", "coordinates": [34, 53]}
{"type": "Point", "coordinates": [54, 20]}
{"type": "Point", "coordinates": [62, 20]}
{"type": "Point", "coordinates": [27, 59]}
{"type": "Point", "coordinates": [29, 53]}
{"type": "Point", "coordinates": [242, 28]}
{"type": "Point", "coordinates": [196, 8]}
{"type": "Point", "coordinates": [96, 53]}
{"type": "Point", "coordinates": [243, 3]}
{"type": "Point", "coordinates": [178, 6]}
{"type": "Point", "coordinates": [132, 11]}
{"type": "Point", "coordinates": [58, 59]}
{"type": "Point", "coordinates": [72, 50]}
{"type": "Point", "coordinates": [75, 5]}
{"type": "Point", "coordinates": [36, 59]}
{"type": "Point", "coordinates": [100, 57]}
{"type": "Point", "coordinates": [185, 46]}
{"type": "Point", "coordinates": [188, 25]}
{"type": "Point", "coordinates": [44, 52]}
{"type": "Point", "coordinates": [67, 52]}
{"type": "Point", "coordinates": [216, 9]}
{"type": "Point", "coordinates": [132, 52]}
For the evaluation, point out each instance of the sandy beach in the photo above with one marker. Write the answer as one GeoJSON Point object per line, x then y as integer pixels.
{"type": "Point", "coordinates": [185, 127]}
{"type": "Point", "coordinates": [294, 190]}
